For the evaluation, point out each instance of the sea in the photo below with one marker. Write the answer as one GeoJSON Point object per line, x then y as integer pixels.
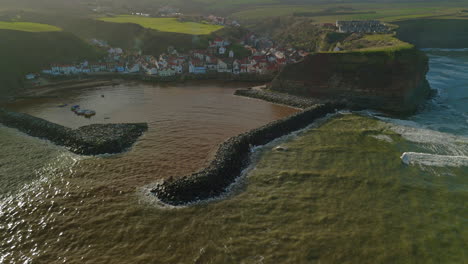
{"type": "Point", "coordinates": [354, 187]}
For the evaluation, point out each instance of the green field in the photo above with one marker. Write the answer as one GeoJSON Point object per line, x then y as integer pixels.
{"type": "Point", "coordinates": [379, 42]}
{"type": "Point", "coordinates": [165, 24]}
{"type": "Point", "coordinates": [28, 27]}
{"type": "Point", "coordinates": [384, 12]}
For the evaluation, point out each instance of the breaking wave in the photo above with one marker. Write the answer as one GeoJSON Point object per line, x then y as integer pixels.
{"type": "Point", "coordinates": [433, 160]}
{"type": "Point", "coordinates": [439, 132]}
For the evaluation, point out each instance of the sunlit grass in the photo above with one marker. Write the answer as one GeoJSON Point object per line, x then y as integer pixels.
{"type": "Point", "coordinates": [28, 27]}
{"type": "Point", "coordinates": [165, 24]}
{"type": "Point", "coordinates": [385, 12]}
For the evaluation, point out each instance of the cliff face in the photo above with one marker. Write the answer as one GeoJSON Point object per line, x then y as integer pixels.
{"type": "Point", "coordinates": [391, 81]}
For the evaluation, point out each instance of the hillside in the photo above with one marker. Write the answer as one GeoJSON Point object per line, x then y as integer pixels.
{"type": "Point", "coordinates": [129, 36]}
{"type": "Point", "coordinates": [25, 52]}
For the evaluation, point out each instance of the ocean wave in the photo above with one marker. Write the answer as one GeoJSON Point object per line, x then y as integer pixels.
{"type": "Point", "coordinates": [445, 50]}
{"type": "Point", "coordinates": [433, 160]}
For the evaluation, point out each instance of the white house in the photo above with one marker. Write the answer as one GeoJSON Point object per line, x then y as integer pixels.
{"type": "Point", "coordinates": [165, 72]}
{"type": "Point", "coordinates": [222, 50]}
{"type": "Point", "coordinates": [134, 69]}
{"type": "Point", "coordinates": [236, 67]}
{"type": "Point", "coordinates": [152, 71]}
{"type": "Point", "coordinates": [117, 51]}
{"type": "Point", "coordinates": [231, 54]}
{"type": "Point", "coordinates": [199, 54]}
{"type": "Point", "coordinates": [30, 76]}
{"type": "Point", "coordinates": [222, 66]}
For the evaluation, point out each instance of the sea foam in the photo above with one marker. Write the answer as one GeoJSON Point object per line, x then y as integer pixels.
{"type": "Point", "coordinates": [433, 160]}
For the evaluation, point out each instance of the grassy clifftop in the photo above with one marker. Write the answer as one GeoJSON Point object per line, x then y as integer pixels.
{"type": "Point", "coordinates": [373, 43]}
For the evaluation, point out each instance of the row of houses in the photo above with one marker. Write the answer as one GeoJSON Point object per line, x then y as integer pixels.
{"type": "Point", "coordinates": [222, 21]}
{"type": "Point", "coordinates": [216, 58]}
{"type": "Point", "coordinates": [361, 26]}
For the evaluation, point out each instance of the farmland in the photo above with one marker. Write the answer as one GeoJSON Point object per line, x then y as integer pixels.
{"type": "Point", "coordinates": [165, 24]}
{"type": "Point", "coordinates": [28, 27]}
{"type": "Point", "coordinates": [333, 12]}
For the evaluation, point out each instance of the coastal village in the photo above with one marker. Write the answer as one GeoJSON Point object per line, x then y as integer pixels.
{"type": "Point", "coordinates": [218, 57]}
{"type": "Point", "coordinates": [265, 58]}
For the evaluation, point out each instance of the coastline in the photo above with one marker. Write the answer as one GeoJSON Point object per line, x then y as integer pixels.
{"type": "Point", "coordinates": [73, 82]}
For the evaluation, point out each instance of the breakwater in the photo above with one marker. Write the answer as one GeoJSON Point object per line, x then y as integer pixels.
{"type": "Point", "coordinates": [279, 98]}
{"type": "Point", "coordinates": [87, 140]}
{"type": "Point", "coordinates": [232, 157]}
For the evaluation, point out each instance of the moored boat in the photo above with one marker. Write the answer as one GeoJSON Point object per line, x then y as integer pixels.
{"type": "Point", "coordinates": [89, 113]}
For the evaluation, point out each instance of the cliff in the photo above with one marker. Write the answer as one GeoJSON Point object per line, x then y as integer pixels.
{"type": "Point", "coordinates": [392, 80]}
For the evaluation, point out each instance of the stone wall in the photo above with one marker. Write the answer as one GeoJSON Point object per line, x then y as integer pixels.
{"type": "Point", "coordinates": [232, 157]}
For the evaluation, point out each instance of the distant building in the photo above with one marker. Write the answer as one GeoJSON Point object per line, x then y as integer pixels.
{"type": "Point", "coordinates": [152, 71]}
{"type": "Point", "coordinates": [31, 76]}
{"type": "Point", "coordinates": [364, 26]}
{"type": "Point", "coordinates": [222, 50]}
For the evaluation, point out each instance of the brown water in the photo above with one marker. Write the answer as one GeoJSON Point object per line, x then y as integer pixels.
{"type": "Point", "coordinates": [58, 206]}
{"type": "Point", "coordinates": [339, 194]}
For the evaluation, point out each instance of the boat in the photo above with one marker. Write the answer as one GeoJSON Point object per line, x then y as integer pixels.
{"type": "Point", "coordinates": [62, 105]}
{"type": "Point", "coordinates": [80, 112]}
{"type": "Point", "coordinates": [89, 113]}
{"type": "Point", "coordinates": [75, 108]}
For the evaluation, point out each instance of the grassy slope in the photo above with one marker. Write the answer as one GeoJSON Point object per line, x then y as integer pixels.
{"type": "Point", "coordinates": [371, 43]}
{"type": "Point", "coordinates": [124, 35]}
{"type": "Point", "coordinates": [165, 24]}
{"type": "Point", "coordinates": [28, 27]}
{"type": "Point", "coordinates": [24, 52]}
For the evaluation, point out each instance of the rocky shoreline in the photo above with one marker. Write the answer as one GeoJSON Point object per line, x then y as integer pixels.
{"type": "Point", "coordinates": [232, 157]}
{"type": "Point", "coordinates": [87, 140]}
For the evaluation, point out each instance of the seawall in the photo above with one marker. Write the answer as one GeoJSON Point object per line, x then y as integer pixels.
{"type": "Point", "coordinates": [284, 98]}
{"type": "Point", "coordinates": [232, 157]}
{"type": "Point", "coordinates": [88, 140]}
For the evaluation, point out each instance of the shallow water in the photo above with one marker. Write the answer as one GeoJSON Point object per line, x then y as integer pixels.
{"type": "Point", "coordinates": [339, 194]}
